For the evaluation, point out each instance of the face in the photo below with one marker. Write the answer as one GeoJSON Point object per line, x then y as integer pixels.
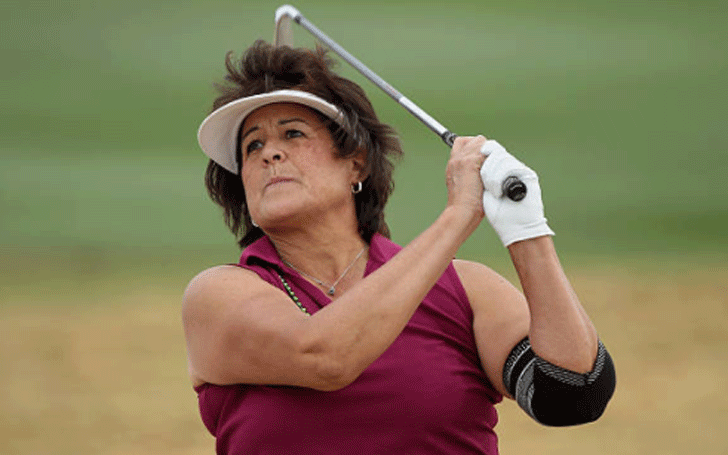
{"type": "Point", "coordinates": [290, 168]}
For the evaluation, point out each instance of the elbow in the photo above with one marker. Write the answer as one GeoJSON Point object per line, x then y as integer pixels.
{"type": "Point", "coordinates": [565, 404]}
{"type": "Point", "coordinates": [336, 370]}
{"type": "Point", "coordinates": [330, 368]}
{"type": "Point", "coordinates": [576, 412]}
{"type": "Point", "coordinates": [331, 374]}
{"type": "Point", "coordinates": [555, 396]}
{"type": "Point", "coordinates": [330, 383]}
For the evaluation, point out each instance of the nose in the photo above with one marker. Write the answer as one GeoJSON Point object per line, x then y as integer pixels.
{"type": "Point", "coordinates": [272, 153]}
{"type": "Point", "coordinates": [273, 157]}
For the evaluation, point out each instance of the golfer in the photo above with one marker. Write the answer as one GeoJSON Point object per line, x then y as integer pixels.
{"type": "Point", "coordinates": [327, 337]}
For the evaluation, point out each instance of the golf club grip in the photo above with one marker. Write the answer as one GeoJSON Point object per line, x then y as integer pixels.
{"type": "Point", "coordinates": [512, 186]}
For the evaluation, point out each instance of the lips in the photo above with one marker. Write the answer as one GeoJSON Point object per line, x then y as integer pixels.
{"type": "Point", "coordinates": [276, 180]}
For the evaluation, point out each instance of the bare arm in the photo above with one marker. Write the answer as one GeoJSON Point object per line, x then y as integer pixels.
{"type": "Point", "coordinates": [561, 332]}
{"type": "Point", "coordinates": [240, 329]}
{"type": "Point", "coordinates": [548, 311]}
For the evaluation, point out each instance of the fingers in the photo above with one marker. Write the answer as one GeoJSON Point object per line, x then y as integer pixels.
{"type": "Point", "coordinates": [467, 144]}
{"type": "Point", "coordinates": [513, 221]}
{"type": "Point", "coordinates": [465, 187]}
{"type": "Point", "coordinates": [466, 149]}
{"type": "Point", "coordinates": [466, 152]}
{"type": "Point", "coordinates": [490, 146]}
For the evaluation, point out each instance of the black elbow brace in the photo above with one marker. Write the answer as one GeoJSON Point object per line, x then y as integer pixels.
{"type": "Point", "coordinates": [554, 396]}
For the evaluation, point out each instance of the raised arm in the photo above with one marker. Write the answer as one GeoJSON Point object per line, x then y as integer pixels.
{"type": "Point", "coordinates": [539, 347]}
{"type": "Point", "coordinates": [560, 330]}
{"type": "Point", "coordinates": [240, 329]}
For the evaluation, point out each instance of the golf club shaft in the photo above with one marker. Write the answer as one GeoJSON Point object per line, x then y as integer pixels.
{"type": "Point", "coordinates": [512, 186]}
{"type": "Point", "coordinates": [415, 110]}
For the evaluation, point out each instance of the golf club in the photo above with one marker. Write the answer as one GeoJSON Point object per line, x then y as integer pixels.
{"type": "Point", "coordinates": [512, 186]}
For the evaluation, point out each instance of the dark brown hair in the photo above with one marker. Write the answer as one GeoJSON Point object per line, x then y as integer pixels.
{"type": "Point", "coordinates": [264, 68]}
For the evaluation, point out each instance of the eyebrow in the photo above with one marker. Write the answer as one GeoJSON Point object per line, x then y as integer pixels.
{"type": "Point", "coordinates": [280, 122]}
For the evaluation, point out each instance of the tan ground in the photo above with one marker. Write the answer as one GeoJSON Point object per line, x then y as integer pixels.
{"type": "Point", "coordinates": [103, 372]}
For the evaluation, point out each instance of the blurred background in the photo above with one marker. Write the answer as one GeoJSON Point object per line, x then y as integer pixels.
{"type": "Point", "coordinates": [621, 107]}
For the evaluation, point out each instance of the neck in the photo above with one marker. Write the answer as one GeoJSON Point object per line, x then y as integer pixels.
{"type": "Point", "coordinates": [323, 254]}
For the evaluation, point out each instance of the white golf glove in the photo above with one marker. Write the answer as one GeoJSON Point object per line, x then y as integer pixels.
{"type": "Point", "coordinates": [513, 221]}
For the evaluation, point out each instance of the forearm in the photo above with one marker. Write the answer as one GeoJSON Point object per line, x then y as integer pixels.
{"type": "Point", "coordinates": [560, 330]}
{"type": "Point", "coordinates": [362, 323]}
{"type": "Point", "coordinates": [561, 374]}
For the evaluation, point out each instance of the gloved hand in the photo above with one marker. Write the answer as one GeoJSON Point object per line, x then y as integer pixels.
{"type": "Point", "coordinates": [512, 221]}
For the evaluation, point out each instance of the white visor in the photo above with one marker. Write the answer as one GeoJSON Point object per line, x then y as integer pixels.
{"type": "Point", "coordinates": [217, 134]}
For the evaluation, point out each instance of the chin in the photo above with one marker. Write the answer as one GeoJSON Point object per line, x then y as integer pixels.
{"type": "Point", "coordinates": [286, 213]}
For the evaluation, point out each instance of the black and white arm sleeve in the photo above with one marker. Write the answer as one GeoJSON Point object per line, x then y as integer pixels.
{"type": "Point", "coordinates": [554, 396]}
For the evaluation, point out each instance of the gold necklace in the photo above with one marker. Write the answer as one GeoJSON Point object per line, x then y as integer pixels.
{"type": "Point", "coordinates": [332, 288]}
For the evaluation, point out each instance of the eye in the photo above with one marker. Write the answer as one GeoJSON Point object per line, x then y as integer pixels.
{"type": "Point", "coordinates": [291, 134]}
{"type": "Point", "coordinates": [253, 146]}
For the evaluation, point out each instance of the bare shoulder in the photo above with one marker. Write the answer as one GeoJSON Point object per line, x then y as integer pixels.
{"type": "Point", "coordinates": [493, 298]}
{"type": "Point", "coordinates": [216, 286]}
{"type": "Point", "coordinates": [501, 316]}
{"type": "Point", "coordinates": [233, 321]}
{"type": "Point", "coordinates": [221, 275]}
{"type": "Point", "coordinates": [229, 294]}
{"type": "Point", "coordinates": [486, 288]}
{"type": "Point", "coordinates": [220, 279]}
{"type": "Point", "coordinates": [475, 273]}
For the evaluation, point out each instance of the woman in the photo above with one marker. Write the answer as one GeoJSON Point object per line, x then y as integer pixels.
{"type": "Point", "coordinates": [329, 338]}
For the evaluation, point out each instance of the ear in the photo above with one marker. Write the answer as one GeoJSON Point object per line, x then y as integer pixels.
{"type": "Point", "coordinates": [359, 166]}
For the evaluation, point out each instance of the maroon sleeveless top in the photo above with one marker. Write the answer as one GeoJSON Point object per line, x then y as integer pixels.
{"type": "Point", "coordinates": [426, 394]}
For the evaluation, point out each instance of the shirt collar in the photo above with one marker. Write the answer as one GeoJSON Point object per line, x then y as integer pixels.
{"type": "Point", "coordinates": [381, 249]}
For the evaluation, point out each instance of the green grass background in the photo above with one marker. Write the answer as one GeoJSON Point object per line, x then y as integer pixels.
{"type": "Point", "coordinates": [621, 107]}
